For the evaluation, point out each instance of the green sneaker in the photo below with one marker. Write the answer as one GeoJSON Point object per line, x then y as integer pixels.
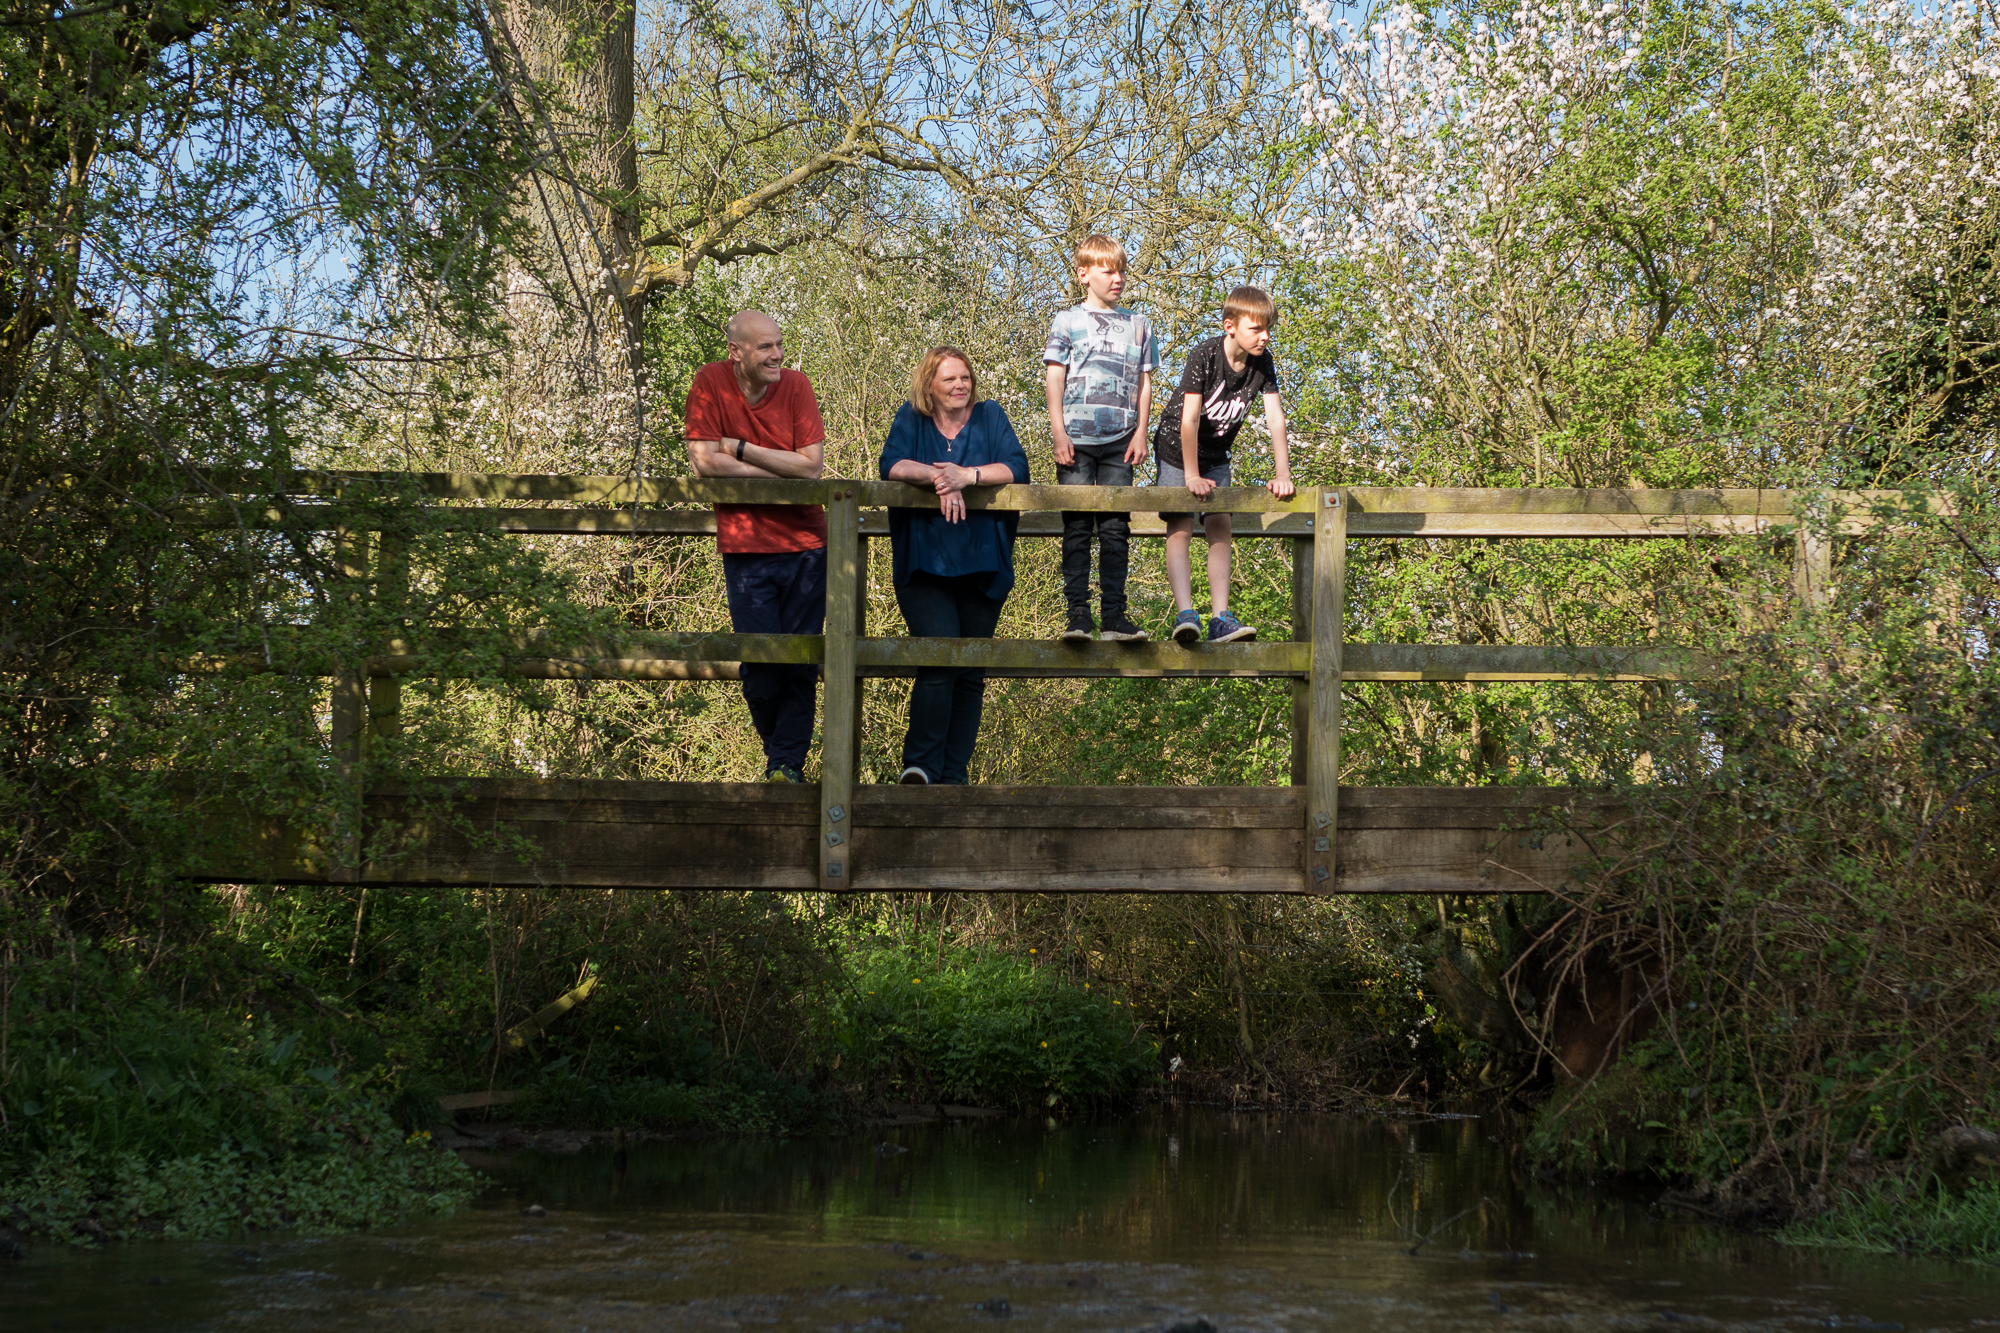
{"type": "Point", "coordinates": [783, 773]}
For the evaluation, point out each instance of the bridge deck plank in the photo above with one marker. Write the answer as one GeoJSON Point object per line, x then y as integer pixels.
{"type": "Point", "coordinates": [663, 835]}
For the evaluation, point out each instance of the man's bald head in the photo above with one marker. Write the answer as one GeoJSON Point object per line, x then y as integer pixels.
{"type": "Point", "coordinates": [746, 326]}
{"type": "Point", "coordinates": [756, 351]}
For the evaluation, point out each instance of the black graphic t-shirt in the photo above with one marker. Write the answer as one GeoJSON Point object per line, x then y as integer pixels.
{"type": "Point", "coordinates": [1226, 396]}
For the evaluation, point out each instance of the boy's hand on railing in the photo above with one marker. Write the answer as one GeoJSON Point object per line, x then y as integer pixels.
{"type": "Point", "coordinates": [1281, 485]}
{"type": "Point", "coordinates": [1200, 487]}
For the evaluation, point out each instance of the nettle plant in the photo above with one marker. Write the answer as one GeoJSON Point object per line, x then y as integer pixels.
{"type": "Point", "coordinates": [1671, 244]}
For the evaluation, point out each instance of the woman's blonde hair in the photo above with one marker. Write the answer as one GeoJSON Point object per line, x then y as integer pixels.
{"type": "Point", "coordinates": [921, 396]}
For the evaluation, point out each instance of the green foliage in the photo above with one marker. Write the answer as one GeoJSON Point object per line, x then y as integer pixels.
{"type": "Point", "coordinates": [748, 1098]}
{"type": "Point", "coordinates": [954, 1025]}
{"type": "Point", "coordinates": [372, 1182]}
{"type": "Point", "coordinates": [146, 1117]}
{"type": "Point", "coordinates": [1812, 880]}
{"type": "Point", "coordinates": [1892, 1217]}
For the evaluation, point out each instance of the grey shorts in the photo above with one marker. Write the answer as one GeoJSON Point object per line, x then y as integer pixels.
{"type": "Point", "coordinates": [1171, 474]}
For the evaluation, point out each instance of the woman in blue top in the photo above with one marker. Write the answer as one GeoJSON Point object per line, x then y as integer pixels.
{"type": "Point", "coordinates": [953, 569]}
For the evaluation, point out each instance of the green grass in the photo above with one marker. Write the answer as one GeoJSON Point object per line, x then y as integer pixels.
{"type": "Point", "coordinates": [1897, 1218]}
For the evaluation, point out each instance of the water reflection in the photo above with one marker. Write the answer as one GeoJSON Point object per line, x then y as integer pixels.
{"type": "Point", "coordinates": [1251, 1222]}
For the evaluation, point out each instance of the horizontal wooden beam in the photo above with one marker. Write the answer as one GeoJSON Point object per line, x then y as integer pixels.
{"type": "Point", "coordinates": [1371, 504]}
{"type": "Point", "coordinates": [715, 656]}
{"type": "Point", "coordinates": [662, 835]}
{"type": "Point", "coordinates": [631, 522]}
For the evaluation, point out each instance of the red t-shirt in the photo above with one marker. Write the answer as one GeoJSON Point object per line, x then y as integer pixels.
{"type": "Point", "coordinates": [787, 417]}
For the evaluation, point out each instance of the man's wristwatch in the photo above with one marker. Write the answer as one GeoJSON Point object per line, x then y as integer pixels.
{"type": "Point", "coordinates": [739, 451]}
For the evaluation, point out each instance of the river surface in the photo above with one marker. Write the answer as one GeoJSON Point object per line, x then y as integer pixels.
{"type": "Point", "coordinates": [1247, 1222]}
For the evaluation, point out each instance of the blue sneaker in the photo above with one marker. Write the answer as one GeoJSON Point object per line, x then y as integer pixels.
{"type": "Point", "coordinates": [1187, 629]}
{"type": "Point", "coordinates": [1226, 628]}
{"type": "Point", "coordinates": [783, 773]}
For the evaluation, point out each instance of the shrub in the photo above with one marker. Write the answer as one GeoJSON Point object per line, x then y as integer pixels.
{"type": "Point", "coordinates": [954, 1025]}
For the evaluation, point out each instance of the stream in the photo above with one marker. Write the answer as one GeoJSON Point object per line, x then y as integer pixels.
{"type": "Point", "coordinates": [1174, 1219]}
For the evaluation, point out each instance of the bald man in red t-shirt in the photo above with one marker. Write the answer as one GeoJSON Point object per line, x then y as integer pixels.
{"type": "Point", "coordinates": [750, 417]}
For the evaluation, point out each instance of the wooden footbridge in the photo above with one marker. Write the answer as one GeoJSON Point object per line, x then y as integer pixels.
{"type": "Point", "coordinates": [1313, 836]}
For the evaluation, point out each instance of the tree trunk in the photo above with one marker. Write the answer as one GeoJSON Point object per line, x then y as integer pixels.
{"type": "Point", "coordinates": [573, 303]}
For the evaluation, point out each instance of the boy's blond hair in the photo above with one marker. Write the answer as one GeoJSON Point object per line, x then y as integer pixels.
{"type": "Point", "coordinates": [1097, 249]}
{"type": "Point", "coordinates": [1251, 303]}
{"type": "Point", "coordinates": [921, 378]}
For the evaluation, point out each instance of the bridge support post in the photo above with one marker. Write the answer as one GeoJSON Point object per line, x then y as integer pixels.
{"type": "Point", "coordinates": [1329, 606]}
{"type": "Point", "coordinates": [392, 586]}
{"type": "Point", "coordinates": [1812, 567]}
{"type": "Point", "coordinates": [840, 689]}
{"type": "Point", "coordinates": [1302, 592]}
{"type": "Point", "coordinates": [349, 715]}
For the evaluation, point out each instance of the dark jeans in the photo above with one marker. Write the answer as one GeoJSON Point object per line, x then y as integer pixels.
{"type": "Point", "coordinates": [783, 592]}
{"type": "Point", "coordinates": [1096, 467]}
{"type": "Point", "coordinates": [946, 702]}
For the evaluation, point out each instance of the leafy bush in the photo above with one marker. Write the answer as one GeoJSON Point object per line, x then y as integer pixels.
{"type": "Point", "coordinates": [141, 1117]}
{"type": "Point", "coordinates": [71, 1192]}
{"type": "Point", "coordinates": [1811, 878]}
{"type": "Point", "coordinates": [952, 1024]}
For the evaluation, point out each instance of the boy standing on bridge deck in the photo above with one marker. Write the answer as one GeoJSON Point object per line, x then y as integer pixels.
{"type": "Point", "coordinates": [750, 418]}
{"type": "Point", "coordinates": [1192, 444]}
{"type": "Point", "coordinates": [1100, 362]}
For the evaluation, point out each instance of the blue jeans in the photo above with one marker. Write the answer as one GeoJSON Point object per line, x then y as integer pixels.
{"type": "Point", "coordinates": [781, 592]}
{"type": "Point", "coordinates": [1095, 466]}
{"type": "Point", "coordinates": [946, 702]}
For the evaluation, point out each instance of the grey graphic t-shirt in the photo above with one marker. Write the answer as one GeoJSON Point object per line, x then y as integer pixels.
{"type": "Point", "coordinates": [1104, 352]}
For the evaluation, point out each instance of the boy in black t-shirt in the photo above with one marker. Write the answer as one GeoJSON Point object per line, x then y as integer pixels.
{"type": "Point", "coordinates": [1192, 445]}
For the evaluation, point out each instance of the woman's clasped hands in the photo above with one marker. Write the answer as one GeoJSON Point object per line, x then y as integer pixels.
{"type": "Point", "coordinates": [950, 481]}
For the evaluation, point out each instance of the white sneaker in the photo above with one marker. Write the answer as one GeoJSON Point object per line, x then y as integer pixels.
{"type": "Point", "coordinates": [915, 777]}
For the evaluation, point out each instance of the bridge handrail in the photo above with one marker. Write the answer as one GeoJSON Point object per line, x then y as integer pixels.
{"type": "Point", "coordinates": [1317, 660]}
{"type": "Point", "coordinates": [615, 492]}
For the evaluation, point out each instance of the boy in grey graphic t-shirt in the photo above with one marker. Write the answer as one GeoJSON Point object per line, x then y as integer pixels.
{"type": "Point", "coordinates": [1100, 362]}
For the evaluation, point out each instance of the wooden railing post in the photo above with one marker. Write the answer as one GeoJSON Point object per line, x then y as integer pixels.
{"type": "Point", "coordinates": [1812, 566]}
{"type": "Point", "coordinates": [839, 690]}
{"type": "Point", "coordinates": [349, 713]}
{"type": "Point", "coordinates": [392, 587]}
{"type": "Point", "coordinates": [350, 700]}
{"type": "Point", "coordinates": [1329, 598]}
{"type": "Point", "coordinates": [860, 631]}
{"type": "Point", "coordinates": [1302, 594]}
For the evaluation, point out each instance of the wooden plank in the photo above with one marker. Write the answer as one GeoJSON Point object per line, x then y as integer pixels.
{"type": "Point", "coordinates": [840, 689]}
{"type": "Point", "coordinates": [1557, 500]}
{"type": "Point", "coordinates": [718, 657]}
{"type": "Point", "coordinates": [618, 491]}
{"type": "Point", "coordinates": [626, 522]}
{"type": "Point", "coordinates": [1525, 662]}
{"type": "Point", "coordinates": [477, 1101]}
{"type": "Point", "coordinates": [1055, 859]}
{"type": "Point", "coordinates": [651, 835]}
{"type": "Point", "coordinates": [1567, 527]}
{"type": "Point", "coordinates": [1320, 826]}
{"type": "Point", "coordinates": [887, 807]}
{"type": "Point", "coordinates": [888, 795]}
{"type": "Point", "coordinates": [1057, 658]}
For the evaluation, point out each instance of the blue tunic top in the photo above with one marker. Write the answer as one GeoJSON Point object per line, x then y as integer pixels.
{"type": "Point", "coordinates": [984, 542]}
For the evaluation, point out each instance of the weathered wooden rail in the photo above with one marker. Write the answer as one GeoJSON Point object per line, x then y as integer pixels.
{"type": "Point", "coordinates": [1311, 837]}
